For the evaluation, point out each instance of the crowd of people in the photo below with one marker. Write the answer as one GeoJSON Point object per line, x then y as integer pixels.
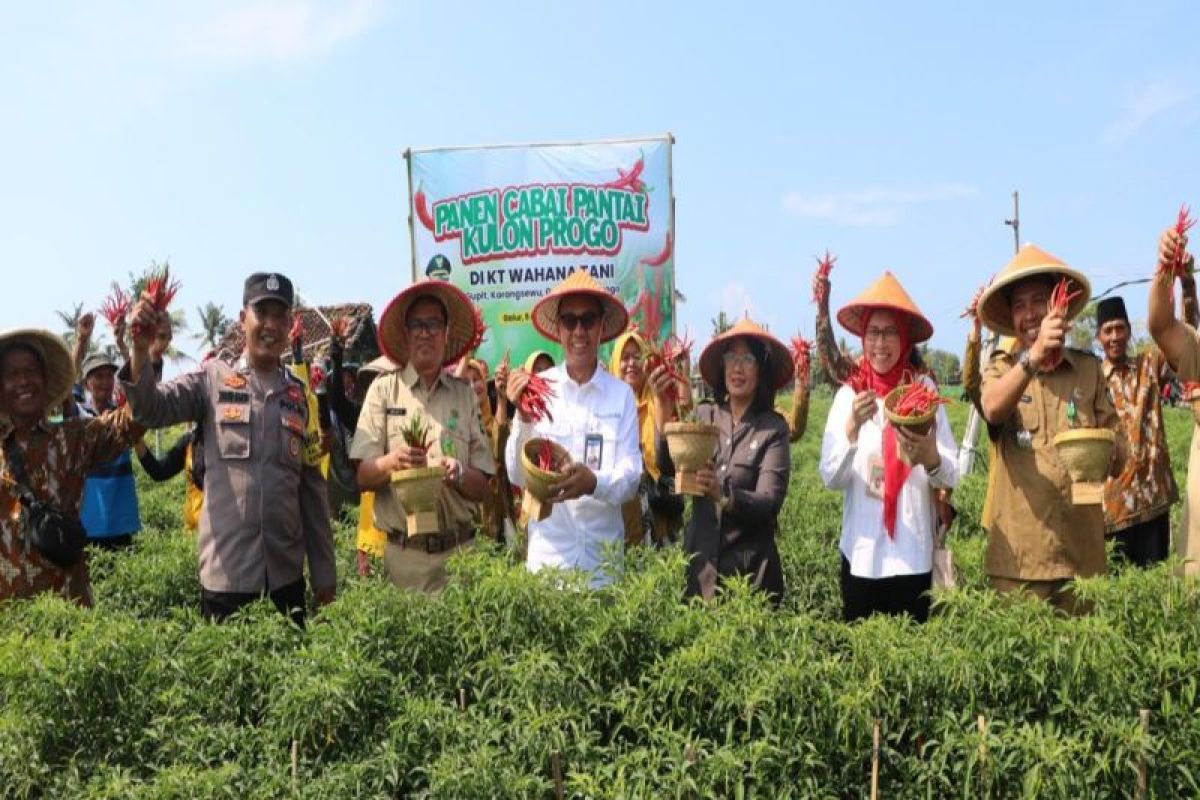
{"type": "Point", "coordinates": [260, 435]}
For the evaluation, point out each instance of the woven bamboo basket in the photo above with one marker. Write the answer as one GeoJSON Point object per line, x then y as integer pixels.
{"type": "Point", "coordinates": [419, 490]}
{"type": "Point", "coordinates": [919, 425]}
{"type": "Point", "coordinates": [538, 498]}
{"type": "Point", "coordinates": [1086, 453]}
{"type": "Point", "coordinates": [692, 445]}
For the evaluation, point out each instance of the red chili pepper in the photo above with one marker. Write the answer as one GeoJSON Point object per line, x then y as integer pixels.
{"type": "Point", "coordinates": [630, 180]}
{"type": "Point", "coordinates": [116, 306]}
{"type": "Point", "coordinates": [917, 400]}
{"type": "Point", "coordinates": [1183, 224]}
{"type": "Point", "coordinates": [316, 377]}
{"type": "Point", "coordinates": [859, 379]}
{"type": "Point", "coordinates": [533, 402]}
{"type": "Point", "coordinates": [824, 267]}
{"type": "Point", "coordinates": [661, 258]}
{"type": "Point", "coordinates": [545, 456]}
{"type": "Point", "coordinates": [296, 334]}
{"type": "Point", "coordinates": [160, 291]}
{"type": "Point", "coordinates": [802, 357]}
{"type": "Point", "coordinates": [339, 326]}
{"type": "Point", "coordinates": [422, 209]}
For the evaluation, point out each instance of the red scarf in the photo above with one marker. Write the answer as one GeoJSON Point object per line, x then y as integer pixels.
{"type": "Point", "coordinates": [895, 471]}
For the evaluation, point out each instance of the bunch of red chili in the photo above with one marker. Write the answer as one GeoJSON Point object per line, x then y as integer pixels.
{"type": "Point", "coordinates": [631, 180]}
{"type": "Point", "coordinates": [339, 326]}
{"type": "Point", "coordinates": [802, 357]}
{"type": "Point", "coordinates": [669, 356]}
{"type": "Point", "coordinates": [116, 306]}
{"type": "Point", "coordinates": [824, 267]}
{"type": "Point", "coordinates": [160, 291]}
{"type": "Point", "coordinates": [859, 378]}
{"type": "Point", "coordinates": [534, 401]}
{"type": "Point", "coordinates": [545, 456]}
{"type": "Point", "coordinates": [917, 400]}
{"type": "Point", "coordinates": [1183, 224]}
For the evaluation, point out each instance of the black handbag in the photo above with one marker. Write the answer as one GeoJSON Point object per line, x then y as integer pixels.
{"type": "Point", "coordinates": [58, 538]}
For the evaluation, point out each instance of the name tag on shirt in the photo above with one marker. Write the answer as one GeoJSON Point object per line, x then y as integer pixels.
{"type": "Point", "coordinates": [593, 451]}
{"type": "Point", "coordinates": [875, 477]}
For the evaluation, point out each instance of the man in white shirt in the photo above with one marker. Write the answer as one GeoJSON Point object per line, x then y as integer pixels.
{"type": "Point", "coordinates": [592, 415]}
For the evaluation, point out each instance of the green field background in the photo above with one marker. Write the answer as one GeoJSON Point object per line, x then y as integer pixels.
{"type": "Point", "coordinates": [639, 694]}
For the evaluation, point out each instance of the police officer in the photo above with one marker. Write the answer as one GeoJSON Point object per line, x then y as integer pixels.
{"type": "Point", "coordinates": [427, 326]}
{"type": "Point", "coordinates": [265, 507]}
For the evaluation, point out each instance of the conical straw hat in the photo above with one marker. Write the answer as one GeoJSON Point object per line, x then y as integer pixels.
{"type": "Point", "coordinates": [1030, 261]}
{"type": "Point", "coordinates": [779, 359]}
{"type": "Point", "coordinates": [60, 367]}
{"type": "Point", "coordinates": [885, 293]}
{"type": "Point", "coordinates": [393, 335]}
{"type": "Point", "coordinates": [545, 313]}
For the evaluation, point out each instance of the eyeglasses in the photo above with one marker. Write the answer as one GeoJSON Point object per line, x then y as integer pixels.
{"type": "Point", "coordinates": [432, 326]}
{"type": "Point", "coordinates": [587, 319]}
{"type": "Point", "coordinates": [885, 334]}
{"type": "Point", "coordinates": [739, 359]}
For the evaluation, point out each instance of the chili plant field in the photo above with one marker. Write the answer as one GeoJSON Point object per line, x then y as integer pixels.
{"type": "Point", "coordinates": [482, 691]}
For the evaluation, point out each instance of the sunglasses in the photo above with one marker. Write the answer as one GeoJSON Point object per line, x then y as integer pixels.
{"type": "Point", "coordinates": [588, 320]}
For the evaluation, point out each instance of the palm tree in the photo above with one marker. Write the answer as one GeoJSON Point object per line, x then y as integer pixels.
{"type": "Point", "coordinates": [213, 323]}
{"type": "Point", "coordinates": [70, 321]}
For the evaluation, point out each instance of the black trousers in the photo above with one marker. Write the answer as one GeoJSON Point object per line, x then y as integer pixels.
{"type": "Point", "coordinates": [289, 599]}
{"type": "Point", "coordinates": [122, 542]}
{"type": "Point", "coordinates": [903, 594]}
{"type": "Point", "coordinates": [1146, 543]}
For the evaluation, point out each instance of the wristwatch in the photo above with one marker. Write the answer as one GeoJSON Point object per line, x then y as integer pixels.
{"type": "Point", "coordinates": [1026, 364]}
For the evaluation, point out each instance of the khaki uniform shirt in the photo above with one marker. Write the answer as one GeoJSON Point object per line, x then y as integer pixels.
{"type": "Point", "coordinates": [265, 507]}
{"type": "Point", "coordinates": [452, 413]}
{"type": "Point", "coordinates": [1145, 489]}
{"type": "Point", "coordinates": [1187, 541]}
{"type": "Point", "coordinates": [1034, 531]}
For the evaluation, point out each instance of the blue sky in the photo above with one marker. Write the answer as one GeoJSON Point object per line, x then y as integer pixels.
{"type": "Point", "coordinates": [236, 136]}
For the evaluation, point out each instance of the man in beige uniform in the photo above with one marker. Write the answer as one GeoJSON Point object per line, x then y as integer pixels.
{"type": "Point", "coordinates": [1180, 343]}
{"type": "Point", "coordinates": [426, 327]}
{"type": "Point", "coordinates": [1038, 540]}
{"type": "Point", "coordinates": [265, 506]}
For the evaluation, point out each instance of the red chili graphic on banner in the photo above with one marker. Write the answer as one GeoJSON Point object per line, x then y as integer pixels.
{"type": "Point", "coordinates": [661, 258]}
{"type": "Point", "coordinates": [423, 209]}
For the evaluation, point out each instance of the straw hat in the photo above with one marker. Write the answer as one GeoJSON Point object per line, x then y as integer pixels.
{"type": "Point", "coordinates": [545, 313]}
{"type": "Point", "coordinates": [778, 359]}
{"type": "Point", "coordinates": [1030, 261]}
{"type": "Point", "coordinates": [885, 293]}
{"type": "Point", "coordinates": [60, 367]}
{"type": "Point", "coordinates": [393, 335]}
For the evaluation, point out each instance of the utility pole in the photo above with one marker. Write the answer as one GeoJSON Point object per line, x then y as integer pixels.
{"type": "Point", "coordinates": [966, 451]}
{"type": "Point", "coordinates": [1015, 222]}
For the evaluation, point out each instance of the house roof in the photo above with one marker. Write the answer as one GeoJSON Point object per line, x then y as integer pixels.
{"type": "Point", "coordinates": [361, 340]}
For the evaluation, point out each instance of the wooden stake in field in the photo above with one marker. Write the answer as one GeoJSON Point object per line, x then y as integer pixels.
{"type": "Point", "coordinates": [462, 698]}
{"type": "Point", "coordinates": [875, 761]}
{"type": "Point", "coordinates": [556, 769]}
{"type": "Point", "coordinates": [1142, 776]}
{"type": "Point", "coordinates": [295, 767]}
{"type": "Point", "coordinates": [981, 724]}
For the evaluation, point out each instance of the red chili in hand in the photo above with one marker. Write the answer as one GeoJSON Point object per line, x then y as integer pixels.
{"type": "Point", "coordinates": [859, 379]}
{"type": "Point", "coordinates": [1183, 224]}
{"type": "Point", "coordinates": [801, 350]}
{"type": "Point", "coordinates": [534, 401]}
{"type": "Point", "coordinates": [824, 267]}
{"type": "Point", "coordinates": [160, 291]}
{"type": "Point", "coordinates": [339, 326]}
{"type": "Point", "coordinates": [296, 334]}
{"type": "Point", "coordinates": [116, 306]}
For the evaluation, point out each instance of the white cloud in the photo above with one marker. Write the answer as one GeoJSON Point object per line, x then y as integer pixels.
{"type": "Point", "coordinates": [1147, 103]}
{"type": "Point", "coordinates": [274, 31]}
{"type": "Point", "coordinates": [734, 300]}
{"type": "Point", "coordinates": [874, 206]}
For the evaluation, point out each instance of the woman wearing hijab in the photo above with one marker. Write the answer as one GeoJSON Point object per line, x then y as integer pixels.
{"type": "Point", "coordinates": [889, 511]}
{"type": "Point", "coordinates": [656, 513]}
{"type": "Point", "coordinates": [733, 525]}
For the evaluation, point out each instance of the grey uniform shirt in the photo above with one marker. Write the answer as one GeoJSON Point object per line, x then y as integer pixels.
{"type": "Point", "coordinates": [264, 509]}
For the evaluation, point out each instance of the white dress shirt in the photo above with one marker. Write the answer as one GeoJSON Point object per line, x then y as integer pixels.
{"type": "Point", "coordinates": [850, 467]}
{"type": "Point", "coordinates": [578, 532]}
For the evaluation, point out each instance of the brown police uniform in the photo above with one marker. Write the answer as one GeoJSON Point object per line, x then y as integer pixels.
{"type": "Point", "coordinates": [1038, 539]}
{"type": "Point", "coordinates": [265, 506]}
{"type": "Point", "coordinates": [1187, 539]}
{"type": "Point", "coordinates": [451, 410]}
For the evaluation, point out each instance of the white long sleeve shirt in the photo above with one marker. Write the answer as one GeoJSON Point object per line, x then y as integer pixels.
{"type": "Point", "coordinates": [857, 471]}
{"type": "Point", "coordinates": [578, 532]}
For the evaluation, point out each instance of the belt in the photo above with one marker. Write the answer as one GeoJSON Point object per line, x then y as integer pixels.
{"type": "Point", "coordinates": [431, 542]}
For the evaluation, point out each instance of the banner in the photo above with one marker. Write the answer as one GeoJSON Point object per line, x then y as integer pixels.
{"type": "Point", "coordinates": [507, 223]}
